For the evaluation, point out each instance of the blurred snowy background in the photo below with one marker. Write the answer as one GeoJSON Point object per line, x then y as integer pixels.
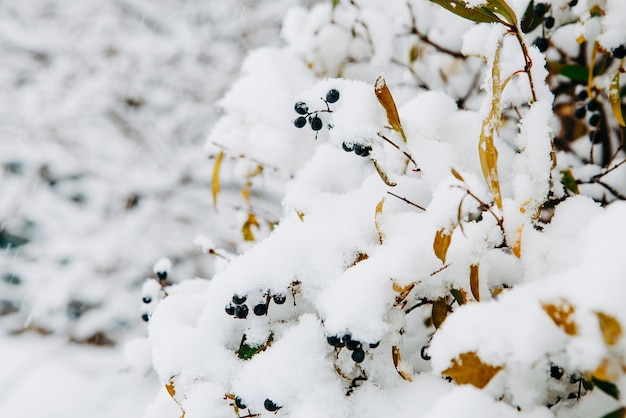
{"type": "Point", "coordinates": [104, 110]}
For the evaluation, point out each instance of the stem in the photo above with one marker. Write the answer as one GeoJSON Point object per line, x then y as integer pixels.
{"type": "Point", "coordinates": [405, 200]}
{"type": "Point", "coordinates": [528, 62]}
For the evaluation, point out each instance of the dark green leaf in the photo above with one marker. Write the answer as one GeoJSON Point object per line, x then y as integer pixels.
{"type": "Point", "coordinates": [568, 180]}
{"type": "Point", "coordinates": [530, 20]}
{"type": "Point", "coordinates": [458, 296]}
{"type": "Point", "coordinates": [459, 8]}
{"type": "Point", "coordinates": [607, 387]}
{"type": "Point", "coordinates": [618, 413]}
{"type": "Point", "coordinates": [246, 352]}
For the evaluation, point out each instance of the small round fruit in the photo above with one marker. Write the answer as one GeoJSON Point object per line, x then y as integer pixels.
{"type": "Point", "coordinates": [230, 309]}
{"type": "Point", "coordinates": [541, 43]}
{"type": "Point", "coordinates": [580, 112]}
{"type": "Point", "coordinates": [333, 340]}
{"type": "Point", "coordinates": [375, 345]}
{"type": "Point", "coordinates": [332, 96]}
{"type": "Point", "coordinates": [353, 345]}
{"type": "Point", "coordinates": [238, 300]}
{"type": "Point", "coordinates": [347, 147]}
{"type": "Point", "coordinates": [593, 105]}
{"type": "Point", "coordinates": [145, 316]}
{"type": "Point", "coordinates": [239, 403]}
{"type": "Point", "coordinates": [280, 299]}
{"type": "Point", "coordinates": [573, 3]}
{"type": "Point", "coordinates": [549, 22]}
{"type": "Point", "coordinates": [540, 9]}
{"type": "Point", "coordinates": [424, 353]}
{"type": "Point", "coordinates": [161, 275]}
{"type": "Point", "coordinates": [146, 299]}
{"type": "Point", "coordinates": [358, 355]}
{"type": "Point", "coordinates": [260, 309]}
{"type": "Point", "coordinates": [619, 52]}
{"type": "Point", "coordinates": [582, 94]}
{"type": "Point", "coordinates": [241, 311]}
{"type": "Point", "coordinates": [316, 123]}
{"type": "Point", "coordinates": [594, 119]}
{"type": "Point", "coordinates": [271, 406]}
{"type": "Point", "coordinates": [362, 150]}
{"type": "Point", "coordinates": [556, 372]}
{"type": "Point", "coordinates": [299, 122]}
{"type": "Point", "coordinates": [301, 108]}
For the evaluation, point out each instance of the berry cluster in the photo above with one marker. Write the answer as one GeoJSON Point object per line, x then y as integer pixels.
{"type": "Point", "coordinates": [238, 308]}
{"type": "Point", "coordinates": [313, 118]}
{"type": "Point", "coordinates": [358, 353]}
{"type": "Point", "coordinates": [595, 109]}
{"type": "Point", "coordinates": [155, 289]}
{"type": "Point", "coordinates": [359, 149]}
{"type": "Point", "coordinates": [540, 11]}
{"type": "Point", "coordinates": [268, 404]}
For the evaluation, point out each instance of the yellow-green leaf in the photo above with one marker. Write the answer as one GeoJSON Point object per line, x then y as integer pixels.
{"type": "Point", "coordinates": [610, 327]}
{"type": "Point", "coordinates": [439, 312]}
{"type": "Point", "coordinates": [568, 180]}
{"type": "Point", "coordinates": [215, 183]}
{"type": "Point", "coordinates": [441, 244]}
{"type": "Point", "coordinates": [561, 313]}
{"type": "Point", "coordinates": [468, 368]}
{"type": "Point", "coordinates": [616, 100]}
{"type": "Point", "coordinates": [386, 100]}
{"type": "Point", "coordinates": [475, 281]}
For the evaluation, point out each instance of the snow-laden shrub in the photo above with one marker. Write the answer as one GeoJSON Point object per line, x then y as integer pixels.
{"type": "Point", "coordinates": [447, 245]}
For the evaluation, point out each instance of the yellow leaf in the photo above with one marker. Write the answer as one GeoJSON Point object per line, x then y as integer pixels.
{"type": "Point", "coordinates": [469, 368]}
{"type": "Point", "coordinates": [397, 363]}
{"type": "Point", "coordinates": [402, 289]}
{"type": "Point", "coordinates": [300, 215]}
{"type": "Point", "coordinates": [561, 313]}
{"type": "Point", "coordinates": [594, 54]}
{"type": "Point", "coordinates": [247, 227]}
{"type": "Point", "coordinates": [386, 100]}
{"type": "Point", "coordinates": [616, 100]}
{"type": "Point", "coordinates": [516, 249]}
{"type": "Point", "coordinates": [474, 281]}
{"type": "Point", "coordinates": [610, 327]}
{"type": "Point", "coordinates": [379, 210]}
{"type": "Point", "coordinates": [441, 244]}
{"type": "Point", "coordinates": [384, 177]}
{"type": "Point", "coordinates": [439, 312]}
{"type": "Point", "coordinates": [170, 389]}
{"type": "Point", "coordinates": [457, 175]}
{"type": "Point", "coordinates": [215, 183]}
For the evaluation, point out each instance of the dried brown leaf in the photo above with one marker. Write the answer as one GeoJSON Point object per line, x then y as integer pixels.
{"type": "Point", "coordinates": [469, 368]}
{"type": "Point", "coordinates": [610, 327]}
{"type": "Point", "coordinates": [474, 281]}
{"type": "Point", "coordinates": [441, 244]}
{"type": "Point", "coordinates": [439, 312]}
{"type": "Point", "coordinates": [386, 100]}
{"type": "Point", "coordinates": [397, 363]}
{"type": "Point", "coordinates": [561, 313]}
{"type": "Point", "coordinates": [379, 210]}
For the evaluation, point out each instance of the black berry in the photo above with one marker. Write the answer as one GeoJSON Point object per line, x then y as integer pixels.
{"type": "Point", "coordinates": [316, 123]}
{"type": "Point", "coordinates": [594, 119]}
{"type": "Point", "coordinates": [540, 9]}
{"type": "Point", "coordinates": [332, 96]}
{"type": "Point", "coordinates": [230, 309]}
{"type": "Point", "coordinates": [549, 22]}
{"type": "Point", "coordinates": [358, 355]}
{"type": "Point", "coordinates": [299, 122]}
{"type": "Point", "coordinates": [239, 403]}
{"type": "Point", "coordinates": [593, 137]}
{"type": "Point", "coordinates": [241, 311]}
{"type": "Point", "coordinates": [619, 52]}
{"type": "Point", "coordinates": [260, 309]}
{"type": "Point", "coordinates": [374, 345]}
{"type": "Point", "coordinates": [573, 3]}
{"type": "Point", "coordinates": [347, 147]}
{"type": "Point", "coordinates": [301, 108]}
{"type": "Point", "coordinates": [362, 150]}
{"type": "Point", "coordinates": [146, 299]}
{"type": "Point", "coordinates": [238, 300]}
{"type": "Point", "coordinates": [271, 406]}
{"type": "Point", "coordinates": [280, 299]}
{"type": "Point", "coordinates": [556, 372]}
{"type": "Point", "coordinates": [580, 112]}
{"type": "Point", "coordinates": [593, 105]}
{"type": "Point", "coordinates": [541, 43]}
{"type": "Point", "coordinates": [424, 353]}
{"type": "Point", "coordinates": [582, 95]}
{"type": "Point", "coordinates": [162, 275]}
{"type": "Point", "coordinates": [352, 345]}
{"type": "Point", "coordinates": [333, 340]}
{"type": "Point", "coordinates": [145, 316]}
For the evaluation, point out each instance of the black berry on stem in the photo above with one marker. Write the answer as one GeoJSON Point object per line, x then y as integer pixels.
{"type": "Point", "coordinates": [580, 112]}
{"type": "Point", "coordinates": [332, 96]}
{"type": "Point", "coordinates": [241, 311]}
{"type": "Point", "coordinates": [594, 119]}
{"type": "Point", "coordinates": [239, 403]}
{"type": "Point", "coordinates": [619, 52]}
{"type": "Point", "coordinates": [593, 105]}
{"type": "Point", "coordinates": [540, 9]}
{"type": "Point", "coordinates": [271, 406]}
{"type": "Point", "coordinates": [316, 123]}
{"type": "Point", "coordinates": [549, 22]}
{"type": "Point", "coordinates": [238, 300]}
{"type": "Point", "coordinates": [146, 299]}
{"type": "Point", "coordinates": [358, 355]}
{"type": "Point", "coordinates": [541, 43]}
{"type": "Point", "coordinates": [299, 122]}
{"type": "Point", "coordinates": [230, 309]}
{"type": "Point", "coordinates": [301, 108]}
{"type": "Point", "coordinates": [280, 299]}
{"type": "Point", "coordinates": [260, 309]}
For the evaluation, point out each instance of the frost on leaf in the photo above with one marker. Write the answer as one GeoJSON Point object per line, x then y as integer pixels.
{"type": "Point", "coordinates": [615, 98]}
{"type": "Point", "coordinates": [561, 313]}
{"type": "Point", "coordinates": [386, 100]}
{"type": "Point", "coordinates": [172, 392]}
{"type": "Point", "coordinates": [441, 244]}
{"type": "Point", "coordinates": [610, 327]}
{"type": "Point", "coordinates": [484, 13]}
{"type": "Point", "coordinates": [397, 363]}
{"type": "Point", "coordinates": [469, 368]}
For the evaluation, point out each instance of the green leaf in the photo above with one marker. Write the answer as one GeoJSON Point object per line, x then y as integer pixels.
{"type": "Point", "coordinates": [459, 8]}
{"type": "Point", "coordinates": [618, 413]}
{"type": "Point", "coordinates": [607, 387]}
{"type": "Point", "coordinates": [335, 3]}
{"type": "Point", "coordinates": [458, 296]}
{"type": "Point", "coordinates": [568, 180]}
{"type": "Point", "coordinates": [246, 352]}
{"type": "Point", "coordinates": [530, 20]}
{"type": "Point", "coordinates": [572, 71]}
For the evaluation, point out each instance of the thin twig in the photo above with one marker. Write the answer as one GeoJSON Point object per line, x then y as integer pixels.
{"type": "Point", "coordinates": [405, 200]}
{"type": "Point", "coordinates": [393, 144]}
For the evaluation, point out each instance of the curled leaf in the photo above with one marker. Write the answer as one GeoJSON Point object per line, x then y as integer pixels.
{"type": "Point", "coordinates": [439, 312]}
{"type": "Point", "coordinates": [441, 244]}
{"type": "Point", "coordinates": [397, 363]}
{"type": "Point", "coordinates": [561, 313]}
{"type": "Point", "coordinates": [247, 227]}
{"type": "Point", "coordinates": [474, 281]}
{"type": "Point", "coordinates": [383, 175]}
{"type": "Point", "coordinates": [616, 100]}
{"type": "Point", "coordinates": [469, 368]}
{"type": "Point", "coordinates": [386, 100]}
{"type": "Point", "coordinates": [215, 182]}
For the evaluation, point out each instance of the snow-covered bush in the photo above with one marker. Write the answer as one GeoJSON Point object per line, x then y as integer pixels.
{"type": "Point", "coordinates": [449, 243]}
